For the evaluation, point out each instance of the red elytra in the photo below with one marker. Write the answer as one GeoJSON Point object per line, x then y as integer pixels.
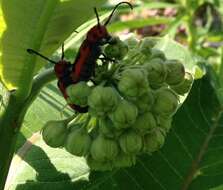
{"type": "Point", "coordinates": [84, 65]}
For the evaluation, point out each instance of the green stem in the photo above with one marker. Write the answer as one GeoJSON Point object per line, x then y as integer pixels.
{"type": "Point", "coordinates": [192, 33]}
{"type": "Point", "coordinates": [87, 120]}
{"type": "Point", "coordinates": [190, 7]}
{"type": "Point", "coordinates": [220, 74]}
{"type": "Point", "coordinates": [38, 83]}
{"type": "Point", "coordinates": [11, 121]}
{"type": "Point", "coordinates": [10, 126]}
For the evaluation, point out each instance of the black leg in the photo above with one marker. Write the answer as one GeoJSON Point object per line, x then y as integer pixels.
{"type": "Point", "coordinates": [105, 58]}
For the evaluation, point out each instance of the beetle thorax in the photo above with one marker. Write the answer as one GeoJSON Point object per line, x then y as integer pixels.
{"type": "Point", "coordinates": [97, 34]}
{"type": "Point", "coordinates": [62, 68]}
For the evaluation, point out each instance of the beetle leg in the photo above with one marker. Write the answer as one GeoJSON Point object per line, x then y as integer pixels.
{"type": "Point", "coordinates": [107, 58]}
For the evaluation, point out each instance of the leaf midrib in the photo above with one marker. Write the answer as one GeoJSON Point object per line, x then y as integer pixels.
{"type": "Point", "coordinates": [27, 72]}
{"type": "Point", "coordinates": [195, 163]}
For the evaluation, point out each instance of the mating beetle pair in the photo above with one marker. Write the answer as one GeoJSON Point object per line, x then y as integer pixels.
{"type": "Point", "coordinates": [84, 65]}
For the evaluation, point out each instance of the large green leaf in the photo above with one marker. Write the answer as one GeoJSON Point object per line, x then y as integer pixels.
{"type": "Point", "coordinates": [39, 24]}
{"type": "Point", "coordinates": [190, 159]}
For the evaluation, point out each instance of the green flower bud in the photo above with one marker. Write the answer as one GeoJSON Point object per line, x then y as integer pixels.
{"type": "Point", "coordinates": [124, 160]}
{"type": "Point", "coordinates": [184, 86]}
{"type": "Point", "coordinates": [124, 115]}
{"type": "Point", "coordinates": [118, 50]}
{"type": "Point", "coordinates": [130, 142]}
{"type": "Point", "coordinates": [153, 141]}
{"type": "Point", "coordinates": [103, 100]}
{"type": "Point", "coordinates": [175, 72]}
{"type": "Point", "coordinates": [157, 71]}
{"type": "Point", "coordinates": [104, 149]}
{"type": "Point", "coordinates": [54, 133]}
{"type": "Point", "coordinates": [78, 142]}
{"type": "Point", "coordinates": [164, 122]}
{"type": "Point", "coordinates": [166, 102]}
{"type": "Point", "coordinates": [146, 46]}
{"type": "Point", "coordinates": [145, 122]}
{"type": "Point", "coordinates": [156, 53]}
{"type": "Point", "coordinates": [132, 42]}
{"type": "Point", "coordinates": [98, 165]}
{"type": "Point", "coordinates": [107, 128]}
{"type": "Point", "coordinates": [133, 83]}
{"type": "Point", "coordinates": [145, 102]}
{"type": "Point", "coordinates": [78, 93]}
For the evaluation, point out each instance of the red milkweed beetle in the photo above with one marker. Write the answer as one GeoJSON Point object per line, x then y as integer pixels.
{"type": "Point", "coordinates": [84, 65]}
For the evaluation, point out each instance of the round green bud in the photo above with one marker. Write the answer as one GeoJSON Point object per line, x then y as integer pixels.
{"type": "Point", "coordinates": [157, 71]}
{"type": "Point", "coordinates": [54, 133]}
{"type": "Point", "coordinates": [184, 86]}
{"type": "Point", "coordinates": [166, 102]}
{"type": "Point", "coordinates": [130, 142]}
{"type": "Point", "coordinates": [124, 160]}
{"type": "Point", "coordinates": [106, 127]}
{"type": "Point", "coordinates": [153, 141]}
{"type": "Point", "coordinates": [104, 149]}
{"type": "Point", "coordinates": [118, 50]}
{"type": "Point", "coordinates": [145, 123]}
{"type": "Point", "coordinates": [103, 100]}
{"type": "Point", "coordinates": [78, 93]}
{"type": "Point", "coordinates": [146, 46]}
{"type": "Point", "coordinates": [164, 122]}
{"type": "Point", "coordinates": [132, 42]}
{"type": "Point", "coordinates": [124, 115]}
{"type": "Point", "coordinates": [133, 83]}
{"type": "Point", "coordinates": [175, 72]}
{"type": "Point", "coordinates": [145, 102]}
{"type": "Point", "coordinates": [156, 53]}
{"type": "Point", "coordinates": [78, 142]}
{"type": "Point", "coordinates": [98, 165]}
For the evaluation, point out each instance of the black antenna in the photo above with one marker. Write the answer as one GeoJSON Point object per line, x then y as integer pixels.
{"type": "Point", "coordinates": [97, 16]}
{"type": "Point", "coordinates": [62, 55]}
{"type": "Point", "coordinates": [31, 51]}
{"type": "Point", "coordinates": [110, 16]}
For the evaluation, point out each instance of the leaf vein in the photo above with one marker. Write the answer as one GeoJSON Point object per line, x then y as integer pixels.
{"type": "Point", "coordinates": [147, 170]}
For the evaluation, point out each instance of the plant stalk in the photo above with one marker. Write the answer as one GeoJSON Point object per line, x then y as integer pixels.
{"type": "Point", "coordinates": [12, 119]}
{"type": "Point", "coordinates": [8, 135]}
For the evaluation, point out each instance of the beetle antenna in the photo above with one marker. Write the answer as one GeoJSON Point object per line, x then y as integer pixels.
{"type": "Point", "coordinates": [62, 55]}
{"type": "Point", "coordinates": [31, 51]}
{"type": "Point", "coordinates": [97, 16]}
{"type": "Point", "coordinates": [110, 16]}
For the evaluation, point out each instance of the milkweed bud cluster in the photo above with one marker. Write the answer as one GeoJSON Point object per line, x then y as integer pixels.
{"type": "Point", "coordinates": [130, 110]}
